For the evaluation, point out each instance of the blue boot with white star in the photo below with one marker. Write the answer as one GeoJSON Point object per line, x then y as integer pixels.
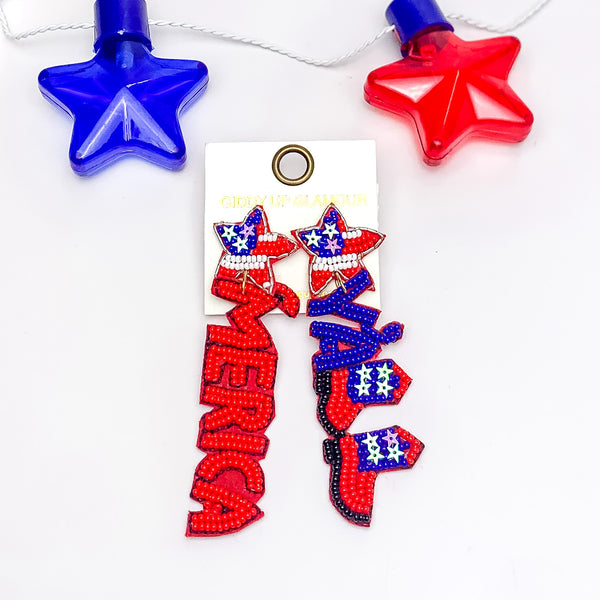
{"type": "Point", "coordinates": [356, 461]}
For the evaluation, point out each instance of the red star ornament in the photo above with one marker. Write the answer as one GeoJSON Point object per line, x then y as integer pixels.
{"type": "Point", "coordinates": [453, 90]}
{"type": "Point", "coordinates": [336, 250]}
{"type": "Point", "coordinates": [250, 248]}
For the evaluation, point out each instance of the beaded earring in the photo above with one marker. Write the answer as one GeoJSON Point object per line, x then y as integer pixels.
{"type": "Point", "coordinates": [240, 362]}
{"type": "Point", "coordinates": [346, 376]}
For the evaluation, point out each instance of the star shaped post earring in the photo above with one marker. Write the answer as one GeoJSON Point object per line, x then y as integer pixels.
{"type": "Point", "coordinates": [452, 89]}
{"type": "Point", "coordinates": [250, 248]}
{"type": "Point", "coordinates": [125, 100]}
{"type": "Point", "coordinates": [336, 250]}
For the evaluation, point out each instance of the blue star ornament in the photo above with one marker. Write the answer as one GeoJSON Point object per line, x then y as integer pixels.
{"type": "Point", "coordinates": [125, 100]}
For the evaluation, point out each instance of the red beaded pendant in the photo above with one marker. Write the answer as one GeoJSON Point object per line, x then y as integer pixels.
{"type": "Point", "coordinates": [240, 363]}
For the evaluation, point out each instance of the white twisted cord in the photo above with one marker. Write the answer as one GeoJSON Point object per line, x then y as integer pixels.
{"type": "Point", "coordinates": [207, 30]}
{"type": "Point", "coordinates": [6, 30]}
{"type": "Point", "coordinates": [534, 10]}
{"type": "Point", "coordinates": [273, 47]}
{"type": "Point", "coordinates": [31, 32]}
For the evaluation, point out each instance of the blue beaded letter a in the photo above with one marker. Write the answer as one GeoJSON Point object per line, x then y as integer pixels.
{"type": "Point", "coordinates": [359, 344]}
{"type": "Point", "coordinates": [125, 100]}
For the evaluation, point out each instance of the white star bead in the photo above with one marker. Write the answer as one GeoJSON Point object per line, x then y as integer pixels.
{"type": "Point", "coordinates": [363, 388]}
{"type": "Point", "coordinates": [241, 244]}
{"type": "Point", "coordinates": [228, 232]}
{"type": "Point", "coordinates": [384, 388]}
{"type": "Point", "coordinates": [395, 453]}
{"type": "Point", "coordinates": [364, 372]}
{"type": "Point", "coordinates": [384, 372]}
{"type": "Point", "coordinates": [375, 455]}
{"type": "Point", "coordinates": [330, 230]}
{"type": "Point", "coordinates": [313, 238]}
{"type": "Point", "coordinates": [371, 441]}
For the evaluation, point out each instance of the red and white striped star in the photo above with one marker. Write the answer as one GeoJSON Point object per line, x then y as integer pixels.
{"type": "Point", "coordinates": [336, 250]}
{"type": "Point", "coordinates": [250, 248]}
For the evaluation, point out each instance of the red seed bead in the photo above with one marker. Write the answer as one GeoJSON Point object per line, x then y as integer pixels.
{"type": "Point", "coordinates": [240, 362]}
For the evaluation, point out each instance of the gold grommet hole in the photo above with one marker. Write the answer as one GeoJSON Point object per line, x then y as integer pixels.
{"type": "Point", "coordinates": [288, 150]}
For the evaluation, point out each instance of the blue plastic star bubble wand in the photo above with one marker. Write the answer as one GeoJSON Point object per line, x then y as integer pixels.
{"type": "Point", "coordinates": [125, 100]}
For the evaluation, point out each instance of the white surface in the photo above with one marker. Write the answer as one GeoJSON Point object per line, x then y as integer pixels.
{"type": "Point", "coordinates": [492, 263]}
{"type": "Point", "coordinates": [239, 176]}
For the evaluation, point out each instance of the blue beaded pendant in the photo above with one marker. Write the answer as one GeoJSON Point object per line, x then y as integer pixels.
{"type": "Point", "coordinates": [348, 374]}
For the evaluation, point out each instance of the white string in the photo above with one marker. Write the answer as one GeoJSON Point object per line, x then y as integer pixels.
{"type": "Point", "coordinates": [273, 47]}
{"type": "Point", "coordinates": [534, 10]}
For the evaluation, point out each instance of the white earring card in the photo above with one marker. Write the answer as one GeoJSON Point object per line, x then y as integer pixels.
{"type": "Point", "coordinates": [240, 176]}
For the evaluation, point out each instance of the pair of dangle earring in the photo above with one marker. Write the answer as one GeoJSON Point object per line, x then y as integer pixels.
{"type": "Point", "coordinates": [240, 363]}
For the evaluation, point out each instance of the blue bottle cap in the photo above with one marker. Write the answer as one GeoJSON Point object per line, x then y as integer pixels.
{"type": "Point", "coordinates": [124, 19]}
{"type": "Point", "coordinates": [413, 17]}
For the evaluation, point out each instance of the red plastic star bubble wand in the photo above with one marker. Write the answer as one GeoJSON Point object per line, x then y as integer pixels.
{"type": "Point", "coordinates": [452, 89]}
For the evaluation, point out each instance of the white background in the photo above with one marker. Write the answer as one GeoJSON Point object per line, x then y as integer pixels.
{"type": "Point", "coordinates": [491, 261]}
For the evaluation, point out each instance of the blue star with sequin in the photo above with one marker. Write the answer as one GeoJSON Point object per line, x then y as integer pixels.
{"type": "Point", "coordinates": [240, 239]}
{"type": "Point", "coordinates": [336, 251]}
{"type": "Point", "coordinates": [380, 374]}
{"type": "Point", "coordinates": [375, 455]}
{"type": "Point", "coordinates": [125, 100]}
{"type": "Point", "coordinates": [327, 240]}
